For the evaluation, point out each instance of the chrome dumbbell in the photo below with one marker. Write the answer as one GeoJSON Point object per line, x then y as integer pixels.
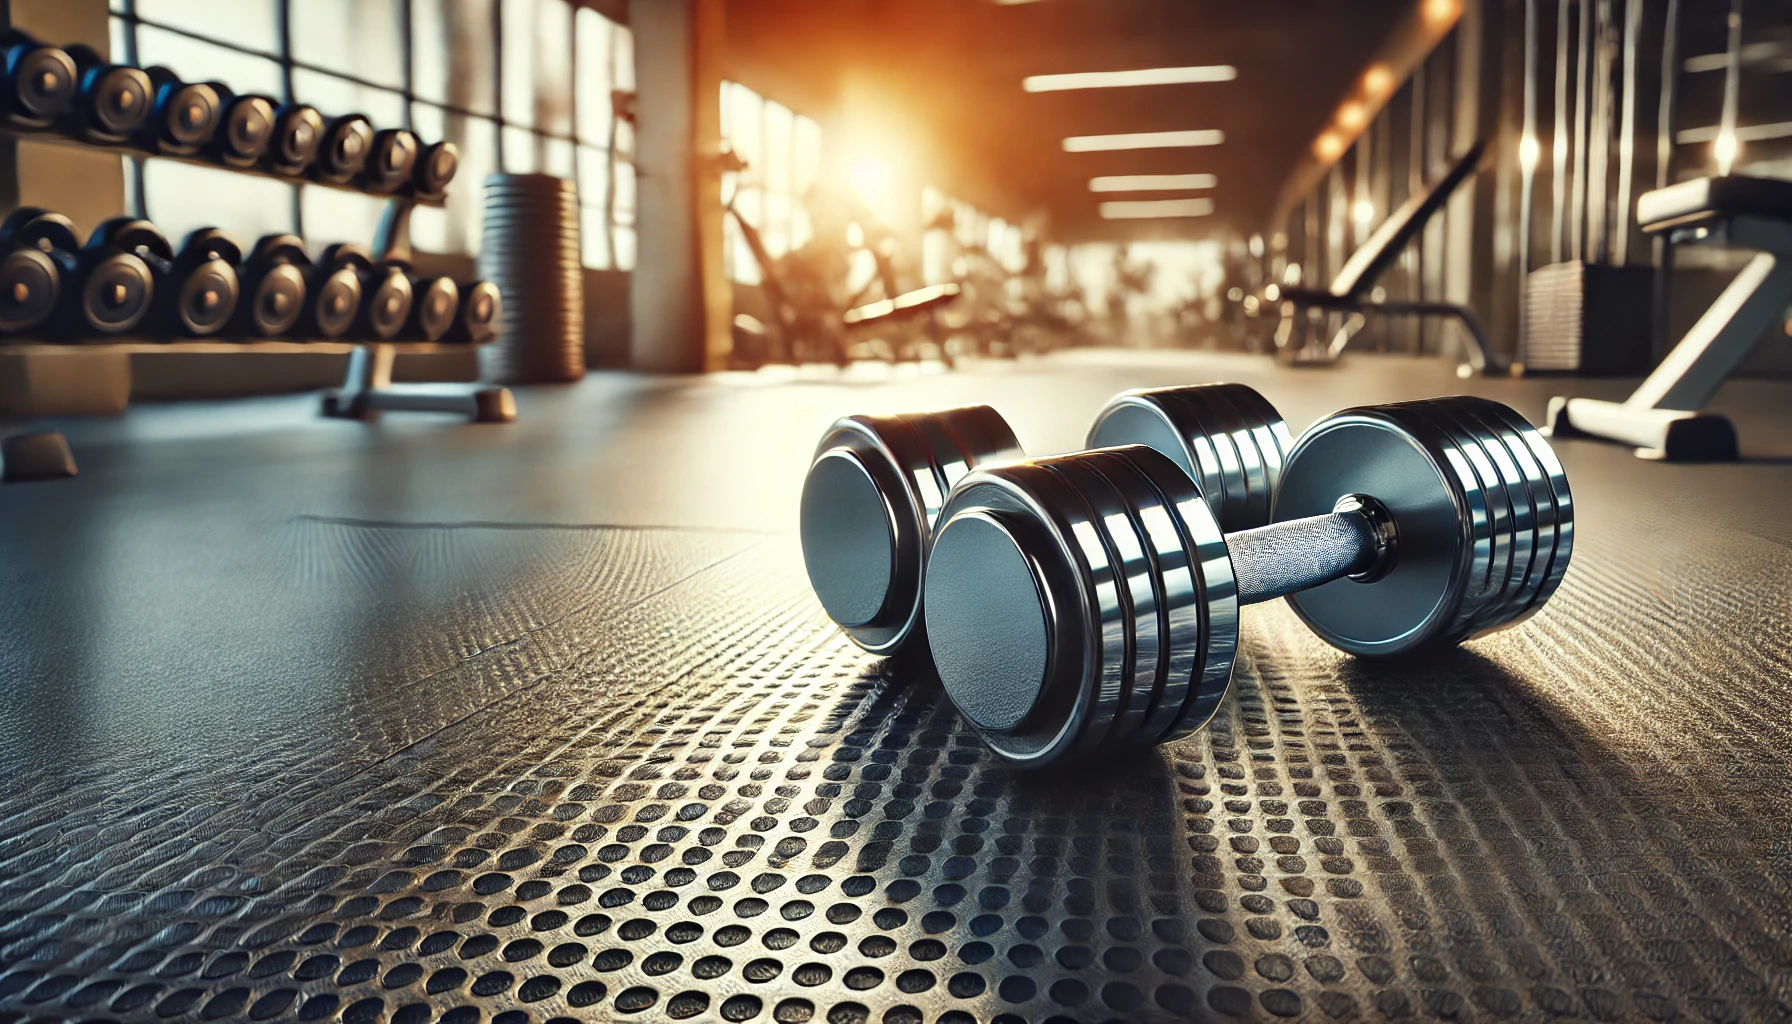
{"type": "Point", "coordinates": [878, 483]}
{"type": "Point", "coordinates": [1086, 604]}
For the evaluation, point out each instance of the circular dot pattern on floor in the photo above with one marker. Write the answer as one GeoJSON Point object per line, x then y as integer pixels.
{"type": "Point", "coordinates": [784, 834]}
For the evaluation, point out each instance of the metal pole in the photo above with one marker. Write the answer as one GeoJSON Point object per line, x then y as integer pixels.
{"type": "Point", "coordinates": [1664, 174]}
{"type": "Point", "coordinates": [1726, 146]}
{"type": "Point", "coordinates": [1527, 163]}
{"type": "Point", "coordinates": [1577, 201]}
{"type": "Point", "coordinates": [1633, 26]}
{"type": "Point", "coordinates": [1599, 135]}
{"type": "Point", "coordinates": [1559, 155]}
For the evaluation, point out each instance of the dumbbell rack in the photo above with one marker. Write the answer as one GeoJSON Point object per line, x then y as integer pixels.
{"type": "Point", "coordinates": [367, 387]}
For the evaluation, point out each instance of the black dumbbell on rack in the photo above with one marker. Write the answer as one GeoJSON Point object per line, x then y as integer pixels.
{"type": "Point", "coordinates": [113, 293]}
{"type": "Point", "coordinates": [111, 100]}
{"type": "Point", "coordinates": [39, 255]}
{"type": "Point", "coordinates": [194, 291]}
{"type": "Point", "coordinates": [386, 302]}
{"type": "Point", "coordinates": [183, 116]}
{"type": "Point", "coordinates": [1087, 604]}
{"type": "Point", "coordinates": [342, 150]}
{"type": "Point", "coordinates": [391, 161]}
{"type": "Point", "coordinates": [298, 132]}
{"type": "Point", "coordinates": [245, 128]}
{"type": "Point", "coordinates": [434, 306]}
{"type": "Point", "coordinates": [273, 288]}
{"type": "Point", "coordinates": [335, 292]}
{"type": "Point", "coordinates": [436, 167]}
{"type": "Point", "coordinates": [206, 287]}
{"type": "Point", "coordinates": [39, 81]}
{"type": "Point", "coordinates": [877, 484]}
{"type": "Point", "coordinates": [476, 320]}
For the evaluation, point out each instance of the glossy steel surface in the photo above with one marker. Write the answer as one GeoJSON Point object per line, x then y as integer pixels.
{"type": "Point", "coordinates": [1228, 437]}
{"type": "Point", "coordinates": [870, 503]}
{"type": "Point", "coordinates": [1127, 571]}
{"type": "Point", "coordinates": [419, 720]}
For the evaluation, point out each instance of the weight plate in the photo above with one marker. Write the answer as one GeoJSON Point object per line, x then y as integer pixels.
{"type": "Point", "coordinates": [1214, 431]}
{"type": "Point", "coordinates": [1476, 519]}
{"type": "Point", "coordinates": [1487, 604]}
{"type": "Point", "coordinates": [1557, 479]}
{"type": "Point", "coordinates": [1174, 594]}
{"type": "Point", "coordinates": [1102, 592]}
{"type": "Point", "coordinates": [117, 294]}
{"type": "Point", "coordinates": [1252, 467]}
{"type": "Point", "coordinates": [970, 592]}
{"type": "Point", "coordinates": [30, 285]}
{"type": "Point", "coordinates": [1543, 501]}
{"type": "Point", "coordinates": [1525, 516]}
{"type": "Point", "coordinates": [1216, 605]}
{"type": "Point", "coordinates": [1378, 452]}
{"type": "Point", "coordinates": [1127, 588]}
{"type": "Point", "coordinates": [207, 299]}
{"type": "Point", "coordinates": [862, 507]}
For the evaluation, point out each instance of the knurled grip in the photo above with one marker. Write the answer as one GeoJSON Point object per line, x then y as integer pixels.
{"type": "Point", "coordinates": [1285, 558]}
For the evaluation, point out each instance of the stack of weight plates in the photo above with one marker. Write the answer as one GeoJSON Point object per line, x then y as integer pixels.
{"type": "Point", "coordinates": [1485, 520]}
{"type": "Point", "coordinates": [1081, 605]}
{"type": "Point", "coordinates": [1225, 436]}
{"type": "Point", "coordinates": [531, 252]}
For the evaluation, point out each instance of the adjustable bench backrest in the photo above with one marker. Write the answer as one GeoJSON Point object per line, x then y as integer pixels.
{"type": "Point", "coordinates": [1376, 255]}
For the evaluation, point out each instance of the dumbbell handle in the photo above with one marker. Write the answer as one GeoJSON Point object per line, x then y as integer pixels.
{"type": "Point", "coordinates": [1356, 539]}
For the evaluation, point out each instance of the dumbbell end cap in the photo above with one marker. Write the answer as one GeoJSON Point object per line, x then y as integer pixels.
{"type": "Point", "coordinates": [849, 538]}
{"type": "Point", "coordinates": [987, 621]}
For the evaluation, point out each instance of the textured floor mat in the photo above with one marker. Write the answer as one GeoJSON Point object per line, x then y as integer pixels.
{"type": "Point", "coordinates": [706, 805]}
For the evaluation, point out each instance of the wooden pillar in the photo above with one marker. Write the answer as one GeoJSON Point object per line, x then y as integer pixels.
{"type": "Point", "coordinates": [679, 296]}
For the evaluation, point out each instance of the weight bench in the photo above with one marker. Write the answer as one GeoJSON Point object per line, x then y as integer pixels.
{"type": "Point", "coordinates": [1351, 289]}
{"type": "Point", "coordinates": [1661, 417]}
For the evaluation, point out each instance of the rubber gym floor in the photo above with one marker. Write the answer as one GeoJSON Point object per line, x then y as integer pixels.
{"type": "Point", "coordinates": [408, 721]}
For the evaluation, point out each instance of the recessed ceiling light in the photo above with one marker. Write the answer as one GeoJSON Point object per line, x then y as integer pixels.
{"type": "Point", "coordinates": [1155, 208]}
{"type": "Point", "coordinates": [1117, 79]}
{"type": "Point", "coordinates": [1150, 182]}
{"type": "Point", "coordinates": [1143, 140]}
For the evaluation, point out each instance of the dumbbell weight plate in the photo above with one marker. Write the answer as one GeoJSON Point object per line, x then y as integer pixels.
{"type": "Point", "coordinates": [278, 301]}
{"type": "Point", "coordinates": [117, 294]}
{"type": "Point", "coordinates": [30, 283]}
{"type": "Point", "coordinates": [1175, 593]}
{"type": "Point", "coordinates": [1470, 461]}
{"type": "Point", "coordinates": [1124, 596]}
{"type": "Point", "coordinates": [1023, 655]}
{"type": "Point", "coordinates": [336, 302]}
{"type": "Point", "coordinates": [1225, 436]}
{"type": "Point", "coordinates": [1534, 489]}
{"type": "Point", "coordinates": [1213, 613]}
{"type": "Point", "coordinates": [1380, 452]}
{"type": "Point", "coordinates": [1535, 524]}
{"type": "Point", "coordinates": [1555, 481]}
{"type": "Point", "coordinates": [1522, 522]}
{"type": "Point", "coordinates": [865, 552]}
{"type": "Point", "coordinates": [1022, 582]}
{"type": "Point", "coordinates": [1231, 421]}
{"type": "Point", "coordinates": [207, 298]}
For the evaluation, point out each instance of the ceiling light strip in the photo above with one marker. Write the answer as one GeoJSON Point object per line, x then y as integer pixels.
{"type": "Point", "coordinates": [1121, 79]}
{"type": "Point", "coordinates": [1151, 182]}
{"type": "Point", "coordinates": [1143, 140]}
{"type": "Point", "coordinates": [1151, 209]}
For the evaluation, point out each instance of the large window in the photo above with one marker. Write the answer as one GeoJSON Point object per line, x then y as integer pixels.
{"type": "Point", "coordinates": [518, 85]}
{"type": "Point", "coordinates": [782, 151]}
